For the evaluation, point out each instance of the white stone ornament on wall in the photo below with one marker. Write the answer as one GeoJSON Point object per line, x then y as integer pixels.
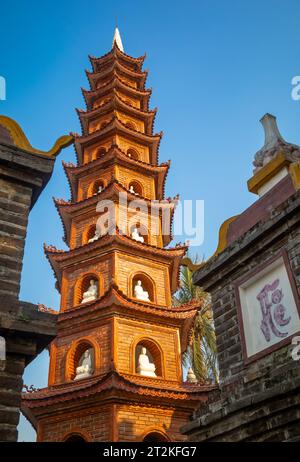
{"type": "Point", "coordinates": [268, 308]}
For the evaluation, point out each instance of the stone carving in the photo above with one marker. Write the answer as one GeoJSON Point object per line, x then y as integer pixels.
{"type": "Point", "coordinates": [144, 366]}
{"type": "Point", "coordinates": [91, 293]}
{"type": "Point", "coordinates": [191, 377]}
{"type": "Point", "coordinates": [85, 369]}
{"type": "Point", "coordinates": [140, 293]}
{"type": "Point", "coordinates": [136, 235]}
{"type": "Point", "coordinates": [274, 143]}
{"type": "Point", "coordinates": [270, 297]}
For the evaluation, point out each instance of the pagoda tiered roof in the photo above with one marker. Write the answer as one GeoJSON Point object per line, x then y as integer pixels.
{"type": "Point", "coordinates": [61, 259]}
{"type": "Point", "coordinates": [116, 102]}
{"type": "Point", "coordinates": [115, 67]}
{"type": "Point", "coordinates": [116, 127]}
{"type": "Point", "coordinates": [113, 54]}
{"type": "Point", "coordinates": [112, 191]}
{"type": "Point", "coordinates": [126, 387]}
{"type": "Point", "coordinates": [115, 320]}
{"type": "Point", "coordinates": [114, 301]}
{"type": "Point", "coordinates": [115, 156]}
{"type": "Point", "coordinates": [115, 83]}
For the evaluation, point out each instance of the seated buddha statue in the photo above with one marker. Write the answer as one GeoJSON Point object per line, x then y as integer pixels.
{"type": "Point", "coordinates": [85, 369]}
{"type": "Point", "coordinates": [91, 293]}
{"type": "Point", "coordinates": [140, 293]}
{"type": "Point", "coordinates": [136, 235]}
{"type": "Point", "coordinates": [131, 189]}
{"type": "Point", "coordinates": [95, 237]}
{"type": "Point", "coordinates": [144, 366]}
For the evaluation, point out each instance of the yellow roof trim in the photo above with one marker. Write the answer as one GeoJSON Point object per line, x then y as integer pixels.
{"type": "Point", "coordinates": [20, 140]}
{"type": "Point", "coordinates": [267, 172]}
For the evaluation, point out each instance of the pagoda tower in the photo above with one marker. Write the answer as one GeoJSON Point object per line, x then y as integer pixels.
{"type": "Point", "coordinates": [115, 366]}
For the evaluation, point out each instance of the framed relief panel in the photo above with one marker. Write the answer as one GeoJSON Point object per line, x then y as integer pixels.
{"type": "Point", "coordinates": [268, 307]}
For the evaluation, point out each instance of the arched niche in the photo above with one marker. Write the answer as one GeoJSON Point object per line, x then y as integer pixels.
{"type": "Point", "coordinates": [74, 438]}
{"type": "Point", "coordinates": [133, 154]}
{"type": "Point", "coordinates": [76, 354]}
{"type": "Point", "coordinates": [142, 230]}
{"type": "Point", "coordinates": [100, 152]}
{"type": "Point", "coordinates": [155, 436]}
{"type": "Point", "coordinates": [76, 435]}
{"type": "Point", "coordinates": [83, 284]}
{"type": "Point", "coordinates": [154, 353]}
{"type": "Point", "coordinates": [96, 187]}
{"type": "Point", "coordinates": [89, 233]}
{"type": "Point", "coordinates": [147, 285]}
{"type": "Point", "coordinates": [137, 187]}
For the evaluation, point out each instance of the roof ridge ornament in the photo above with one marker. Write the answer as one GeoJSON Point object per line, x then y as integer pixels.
{"type": "Point", "coordinates": [117, 40]}
{"type": "Point", "coordinates": [274, 143]}
{"type": "Point", "coordinates": [272, 133]}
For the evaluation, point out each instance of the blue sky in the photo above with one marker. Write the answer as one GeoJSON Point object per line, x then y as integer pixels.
{"type": "Point", "coordinates": [215, 69]}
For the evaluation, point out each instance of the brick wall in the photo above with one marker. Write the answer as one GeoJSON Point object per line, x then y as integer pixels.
{"type": "Point", "coordinates": [101, 336]}
{"type": "Point", "coordinates": [257, 401]}
{"type": "Point", "coordinates": [94, 423]}
{"type": "Point", "coordinates": [130, 423]}
{"type": "Point", "coordinates": [134, 422]}
{"type": "Point", "coordinates": [101, 267]}
{"type": "Point", "coordinates": [129, 332]}
{"type": "Point", "coordinates": [15, 201]}
{"type": "Point", "coordinates": [126, 266]}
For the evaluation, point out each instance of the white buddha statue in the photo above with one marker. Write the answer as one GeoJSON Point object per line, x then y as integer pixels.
{"type": "Point", "coordinates": [131, 190]}
{"type": "Point", "coordinates": [91, 293]}
{"type": "Point", "coordinates": [140, 293]}
{"type": "Point", "coordinates": [144, 366]}
{"type": "Point", "coordinates": [136, 235]}
{"type": "Point", "coordinates": [95, 237]}
{"type": "Point", "coordinates": [85, 369]}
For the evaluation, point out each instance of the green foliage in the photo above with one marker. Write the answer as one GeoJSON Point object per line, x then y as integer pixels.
{"type": "Point", "coordinates": [201, 353]}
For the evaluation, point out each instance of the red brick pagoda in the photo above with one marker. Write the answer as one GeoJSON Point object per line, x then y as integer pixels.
{"type": "Point", "coordinates": [115, 365]}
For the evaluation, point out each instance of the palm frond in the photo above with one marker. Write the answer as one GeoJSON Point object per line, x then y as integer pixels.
{"type": "Point", "coordinates": [201, 355]}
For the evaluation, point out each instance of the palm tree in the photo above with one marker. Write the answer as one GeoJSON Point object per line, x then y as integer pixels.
{"type": "Point", "coordinates": [201, 353]}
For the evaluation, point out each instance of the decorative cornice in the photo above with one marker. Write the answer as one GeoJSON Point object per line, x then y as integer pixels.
{"type": "Point", "coordinates": [115, 82]}
{"type": "Point", "coordinates": [93, 77]}
{"type": "Point", "coordinates": [115, 102]}
{"type": "Point", "coordinates": [20, 140]}
{"type": "Point", "coordinates": [115, 126]}
{"type": "Point", "coordinates": [115, 53]}
{"type": "Point", "coordinates": [115, 155]}
{"type": "Point", "coordinates": [111, 191]}
{"type": "Point", "coordinates": [59, 258]}
{"type": "Point", "coordinates": [115, 381]}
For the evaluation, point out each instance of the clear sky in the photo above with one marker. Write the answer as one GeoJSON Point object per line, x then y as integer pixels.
{"type": "Point", "coordinates": [215, 69]}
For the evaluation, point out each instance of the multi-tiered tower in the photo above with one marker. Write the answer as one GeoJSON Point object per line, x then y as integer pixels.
{"type": "Point", "coordinates": [115, 366]}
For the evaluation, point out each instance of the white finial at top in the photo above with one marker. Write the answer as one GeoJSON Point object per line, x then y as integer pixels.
{"type": "Point", "coordinates": [117, 40]}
